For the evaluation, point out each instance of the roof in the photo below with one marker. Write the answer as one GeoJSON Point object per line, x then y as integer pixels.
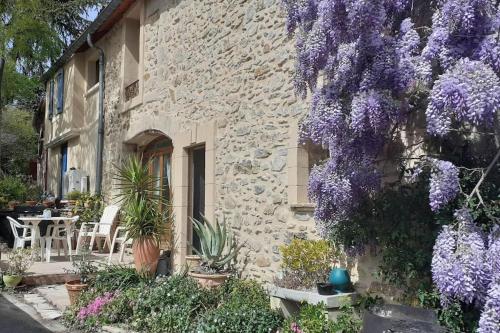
{"type": "Point", "coordinates": [106, 19]}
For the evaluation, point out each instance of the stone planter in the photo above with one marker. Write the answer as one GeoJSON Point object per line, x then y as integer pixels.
{"type": "Point", "coordinates": [74, 289]}
{"type": "Point", "coordinates": [193, 262]}
{"type": "Point", "coordinates": [11, 281]}
{"type": "Point", "coordinates": [209, 280]}
{"type": "Point", "coordinates": [290, 300]}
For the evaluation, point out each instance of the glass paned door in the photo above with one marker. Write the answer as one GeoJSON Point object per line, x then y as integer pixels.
{"type": "Point", "coordinates": [159, 156]}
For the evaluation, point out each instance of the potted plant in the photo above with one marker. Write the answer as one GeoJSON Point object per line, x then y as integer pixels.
{"type": "Point", "coordinates": [73, 196]}
{"type": "Point", "coordinates": [19, 261]}
{"type": "Point", "coordinates": [217, 249]}
{"type": "Point", "coordinates": [306, 264]}
{"type": "Point", "coordinates": [142, 213]}
{"type": "Point", "coordinates": [84, 268]}
{"type": "Point", "coordinates": [33, 195]}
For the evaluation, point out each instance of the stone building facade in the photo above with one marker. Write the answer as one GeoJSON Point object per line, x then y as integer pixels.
{"type": "Point", "coordinates": [209, 75]}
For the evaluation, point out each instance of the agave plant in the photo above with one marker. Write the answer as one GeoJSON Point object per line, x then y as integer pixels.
{"type": "Point", "coordinates": [217, 246]}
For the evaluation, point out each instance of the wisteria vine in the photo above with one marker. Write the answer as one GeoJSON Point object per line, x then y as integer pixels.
{"type": "Point", "coordinates": [362, 61]}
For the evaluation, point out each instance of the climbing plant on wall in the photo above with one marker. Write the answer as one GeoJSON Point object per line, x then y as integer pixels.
{"type": "Point", "coordinates": [415, 84]}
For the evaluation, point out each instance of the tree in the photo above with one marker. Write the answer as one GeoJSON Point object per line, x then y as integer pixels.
{"type": "Point", "coordinates": [33, 33]}
{"type": "Point", "coordinates": [17, 132]}
{"type": "Point", "coordinates": [375, 69]}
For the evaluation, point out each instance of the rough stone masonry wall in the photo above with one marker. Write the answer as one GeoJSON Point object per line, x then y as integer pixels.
{"type": "Point", "coordinates": [228, 61]}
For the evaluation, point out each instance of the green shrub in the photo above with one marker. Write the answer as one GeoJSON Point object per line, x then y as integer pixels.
{"type": "Point", "coordinates": [311, 319]}
{"type": "Point", "coordinates": [244, 307]}
{"type": "Point", "coordinates": [88, 207]}
{"type": "Point", "coordinates": [124, 282]}
{"type": "Point", "coordinates": [117, 277]}
{"type": "Point", "coordinates": [170, 305]}
{"type": "Point", "coordinates": [306, 262]}
{"type": "Point", "coordinates": [13, 188]}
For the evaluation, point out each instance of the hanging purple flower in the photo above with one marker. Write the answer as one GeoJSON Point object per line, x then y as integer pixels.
{"type": "Point", "coordinates": [459, 262]}
{"type": "Point", "coordinates": [444, 183]}
{"type": "Point", "coordinates": [489, 321]}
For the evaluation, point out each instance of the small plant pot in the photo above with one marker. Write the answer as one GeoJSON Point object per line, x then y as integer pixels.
{"type": "Point", "coordinates": [11, 281]}
{"type": "Point", "coordinates": [74, 289]}
{"type": "Point", "coordinates": [325, 289]}
{"type": "Point", "coordinates": [209, 281]}
{"type": "Point", "coordinates": [340, 279]}
{"type": "Point", "coordinates": [31, 203]}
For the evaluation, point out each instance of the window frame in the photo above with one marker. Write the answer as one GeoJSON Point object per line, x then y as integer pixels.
{"type": "Point", "coordinates": [60, 92]}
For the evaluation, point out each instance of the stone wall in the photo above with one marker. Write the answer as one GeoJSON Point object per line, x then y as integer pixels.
{"type": "Point", "coordinates": [228, 61]}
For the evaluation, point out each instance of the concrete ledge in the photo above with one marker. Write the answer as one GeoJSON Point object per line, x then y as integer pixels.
{"type": "Point", "coordinates": [310, 296]}
{"type": "Point", "coordinates": [290, 301]}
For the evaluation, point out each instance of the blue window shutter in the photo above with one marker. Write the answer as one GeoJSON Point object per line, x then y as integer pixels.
{"type": "Point", "coordinates": [51, 98]}
{"type": "Point", "coordinates": [60, 91]}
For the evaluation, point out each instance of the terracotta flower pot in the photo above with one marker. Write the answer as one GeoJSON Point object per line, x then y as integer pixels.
{"type": "Point", "coordinates": [146, 253]}
{"type": "Point", "coordinates": [209, 280]}
{"type": "Point", "coordinates": [11, 281]}
{"type": "Point", "coordinates": [74, 289]}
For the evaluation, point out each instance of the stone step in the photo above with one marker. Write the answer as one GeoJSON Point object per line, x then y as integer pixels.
{"type": "Point", "coordinates": [42, 306]}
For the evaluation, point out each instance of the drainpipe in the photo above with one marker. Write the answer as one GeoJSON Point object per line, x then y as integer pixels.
{"type": "Point", "coordinates": [100, 128]}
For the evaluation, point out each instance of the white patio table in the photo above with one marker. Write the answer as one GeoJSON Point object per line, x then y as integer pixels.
{"type": "Point", "coordinates": [35, 234]}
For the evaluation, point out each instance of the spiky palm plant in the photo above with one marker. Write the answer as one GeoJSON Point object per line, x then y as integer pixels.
{"type": "Point", "coordinates": [138, 192]}
{"type": "Point", "coordinates": [217, 246]}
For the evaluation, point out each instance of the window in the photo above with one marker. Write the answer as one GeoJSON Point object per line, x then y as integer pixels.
{"type": "Point", "coordinates": [92, 73]}
{"type": "Point", "coordinates": [197, 190]}
{"type": "Point", "coordinates": [301, 160]}
{"type": "Point", "coordinates": [60, 91]}
{"type": "Point", "coordinates": [132, 28]}
{"type": "Point", "coordinates": [51, 98]}
{"type": "Point", "coordinates": [63, 164]}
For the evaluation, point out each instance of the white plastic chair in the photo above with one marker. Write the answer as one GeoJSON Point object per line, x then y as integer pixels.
{"type": "Point", "coordinates": [58, 234]}
{"type": "Point", "coordinates": [20, 240]}
{"type": "Point", "coordinates": [98, 231]}
{"type": "Point", "coordinates": [122, 240]}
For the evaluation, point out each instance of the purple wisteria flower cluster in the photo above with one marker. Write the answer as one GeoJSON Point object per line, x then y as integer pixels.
{"type": "Point", "coordinates": [466, 267]}
{"type": "Point", "coordinates": [459, 266]}
{"type": "Point", "coordinates": [371, 58]}
{"type": "Point", "coordinates": [444, 183]}
{"type": "Point", "coordinates": [95, 307]}
{"type": "Point", "coordinates": [469, 93]}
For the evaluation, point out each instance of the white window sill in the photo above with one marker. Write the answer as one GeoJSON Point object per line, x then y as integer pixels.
{"type": "Point", "coordinates": [92, 90]}
{"type": "Point", "coordinates": [133, 103]}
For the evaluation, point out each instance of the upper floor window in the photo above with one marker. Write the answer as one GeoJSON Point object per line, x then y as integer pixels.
{"type": "Point", "coordinates": [132, 42]}
{"type": "Point", "coordinates": [60, 91]}
{"type": "Point", "coordinates": [92, 73]}
{"type": "Point", "coordinates": [51, 98]}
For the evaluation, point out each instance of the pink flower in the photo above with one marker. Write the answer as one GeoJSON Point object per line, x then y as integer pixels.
{"type": "Point", "coordinates": [295, 328]}
{"type": "Point", "coordinates": [95, 307]}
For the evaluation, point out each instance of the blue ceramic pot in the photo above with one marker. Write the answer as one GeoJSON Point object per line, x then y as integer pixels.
{"type": "Point", "coordinates": [340, 279]}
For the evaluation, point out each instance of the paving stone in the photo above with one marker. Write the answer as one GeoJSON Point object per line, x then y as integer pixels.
{"type": "Point", "coordinates": [50, 314]}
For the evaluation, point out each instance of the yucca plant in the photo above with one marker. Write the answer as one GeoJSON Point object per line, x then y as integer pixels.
{"type": "Point", "coordinates": [217, 246]}
{"type": "Point", "coordinates": [138, 194]}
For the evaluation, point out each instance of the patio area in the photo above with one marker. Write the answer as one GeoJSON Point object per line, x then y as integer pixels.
{"type": "Point", "coordinates": [56, 271]}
